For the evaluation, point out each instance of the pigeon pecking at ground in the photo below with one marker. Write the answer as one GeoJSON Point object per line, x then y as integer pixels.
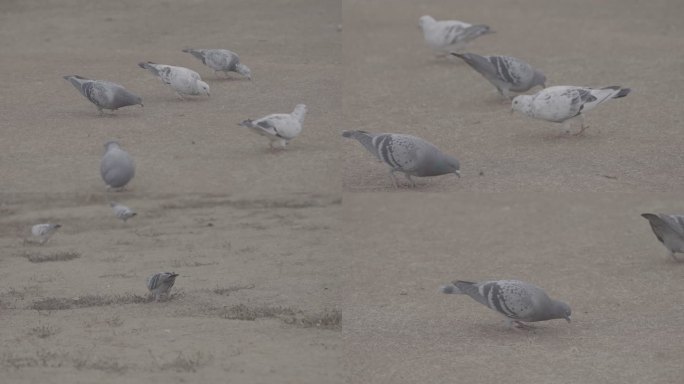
{"type": "Point", "coordinates": [280, 128]}
{"type": "Point", "coordinates": [160, 284]}
{"type": "Point", "coordinates": [43, 232]}
{"type": "Point", "coordinates": [104, 94]}
{"type": "Point", "coordinates": [116, 167]}
{"type": "Point", "coordinates": [564, 102]}
{"type": "Point", "coordinates": [669, 229]}
{"type": "Point", "coordinates": [449, 35]}
{"type": "Point", "coordinates": [183, 80]}
{"type": "Point", "coordinates": [506, 73]}
{"type": "Point", "coordinates": [518, 301]}
{"type": "Point", "coordinates": [407, 154]}
{"type": "Point", "coordinates": [121, 211]}
{"type": "Point", "coordinates": [221, 60]}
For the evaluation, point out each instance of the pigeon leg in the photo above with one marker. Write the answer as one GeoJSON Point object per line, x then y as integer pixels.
{"type": "Point", "coordinates": [394, 178]}
{"type": "Point", "coordinates": [521, 325]}
{"type": "Point", "coordinates": [583, 126]}
{"type": "Point", "coordinates": [672, 255]}
{"type": "Point", "coordinates": [413, 183]}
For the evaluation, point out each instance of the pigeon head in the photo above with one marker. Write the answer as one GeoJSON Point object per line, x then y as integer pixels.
{"type": "Point", "coordinates": [560, 310]}
{"type": "Point", "coordinates": [539, 79]}
{"type": "Point", "coordinates": [299, 112]}
{"type": "Point", "coordinates": [425, 20]}
{"type": "Point", "coordinates": [203, 88]}
{"type": "Point", "coordinates": [111, 144]}
{"type": "Point", "coordinates": [244, 71]}
{"type": "Point", "coordinates": [453, 164]}
{"type": "Point", "coordinates": [522, 104]}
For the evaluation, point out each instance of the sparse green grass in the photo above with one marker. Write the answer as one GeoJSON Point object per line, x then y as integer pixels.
{"type": "Point", "coordinates": [58, 256]}
{"type": "Point", "coordinates": [228, 290]}
{"type": "Point", "coordinates": [56, 303]}
{"type": "Point", "coordinates": [43, 331]}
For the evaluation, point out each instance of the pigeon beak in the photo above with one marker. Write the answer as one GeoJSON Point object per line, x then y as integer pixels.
{"type": "Point", "coordinates": [458, 173]}
{"type": "Point", "coordinates": [567, 318]}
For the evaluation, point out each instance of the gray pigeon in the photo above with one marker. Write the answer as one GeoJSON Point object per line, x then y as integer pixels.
{"type": "Point", "coordinates": [43, 232]}
{"type": "Point", "coordinates": [669, 229]}
{"type": "Point", "coordinates": [104, 94]}
{"type": "Point", "coordinates": [121, 211]}
{"type": "Point", "coordinates": [160, 284]}
{"type": "Point", "coordinates": [506, 73]}
{"type": "Point", "coordinates": [518, 301]}
{"type": "Point", "coordinates": [116, 167]}
{"type": "Point", "coordinates": [408, 154]}
{"type": "Point", "coordinates": [564, 102]}
{"type": "Point", "coordinates": [221, 60]}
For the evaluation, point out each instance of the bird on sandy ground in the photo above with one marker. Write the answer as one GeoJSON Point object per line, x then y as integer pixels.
{"type": "Point", "coordinates": [121, 211]}
{"type": "Point", "coordinates": [221, 60]}
{"type": "Point", "coordinates": [280, 128]}
{"type": "Point", "coordinates": [669, 229]}
{"type": "Point", "coordinates": [182, 80]}
{"type": "Point", "coordinates": [446, 36]}
{"type": "Point", "coordinates": [116, 167]}
{"type": "Point", "coordinates": [159, 284]}
{"type": "Point", "coordinates": [43, 232]}
{"type": "Point", "coordinates": [104, 94]}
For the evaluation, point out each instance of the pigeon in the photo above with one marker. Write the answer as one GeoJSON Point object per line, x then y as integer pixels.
{"type": "Point", "coordinates": [563, 102]}
{"type": "Point", "coordinates": [183, 80]}
{"type": "Point", "coordinates": [280, 128]}
{"type": "Point", "coordinates": [449, 35]}
{"type": "Point", "coordinates": [221, 60]}
{"type": "Point", "coordinates": [43, 232]}
{"type": "Point", "coordinates": [121, 211]}
{"type": "Point", "coordinates": [104, 94]}
{"type": "Point", "coordinates": [116, 167]}
{"type": "Point", "coordinates": [506, 73]}
{"type": "Point", "coordinates": [408, 154]}
{"type": "Point", "coordinates": [518, 301]}
{"type": "Point", "coordinates": [160, 284]}
{"type": "Point", "coordinates": [669, 229]}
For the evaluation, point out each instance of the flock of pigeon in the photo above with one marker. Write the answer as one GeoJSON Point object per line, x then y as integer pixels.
{"type": "Point", "coordinates": [117, 167]}
{"type": "Point", "coordinates": [519, 302]}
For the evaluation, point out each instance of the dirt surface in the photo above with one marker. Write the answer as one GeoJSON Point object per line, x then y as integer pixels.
{"type": "Point", "coordinates": [395, 84]}
{"type": "Point", "coordinates": [592, 251]}
{"type": "Point", "coordinates": [252, 232]}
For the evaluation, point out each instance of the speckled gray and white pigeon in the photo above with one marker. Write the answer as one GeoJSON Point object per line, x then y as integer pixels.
{"type": "Point", "coordinates": [221, 60]}
{"type": "Point", "coordinates": [121, 211]}
{"type": "Point", "coordinates": [280, 128]}
{"type": "Point", "coordinates": [669, 229]}
{"type": "Point", "coordinates": [116, 167]}
{"type": "Point", "coordinates": [182, 80]}
{"type": "Point", "coordinates": [160, 284]}
{"type": "Point", "coordinates": [563, 102]}
{"type": "Point", "coordinates": [518, 301]}
{"type": "Point", "coordinates": [449, 35]}
{"type": "Point", "coordinates": [506, 73]}
{"type": "Point", "coordinates": [407, 154]}
{"type": "Point", "coordinates": [43, 232]}
{"type": "Point", "coordinates": [104, 94]}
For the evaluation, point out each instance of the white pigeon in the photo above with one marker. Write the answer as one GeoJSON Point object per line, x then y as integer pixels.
{"type": "Point", "coordinates": [121, 211]}
{"type": "Point", "coordinates": [564, 102]}
{"type": "Point", "coordinates": [160, 284]}
{"type": "Point", "coordinates": [407, 154]}
{"type": "Point", "coordinates": [280, 128]}
{"type": "Point", "coordinates": [669, 229]}
{"type": "Point", "coordinates": [518, 301]}
{"type": "Point", "coordinates": [183, 80]}
{"type": "Point", "coordinates": [506, 73]}
{"type": "Point", "coordinates": [449, 35]}
{"type": "Point", "coordinates": [116, 167]}
{"type": "Point", "coordinates": [104, 94]}
{"type": "Point", "coordinates": [221, 60]}
{"type": "Point", "coordinates": [43, 232]}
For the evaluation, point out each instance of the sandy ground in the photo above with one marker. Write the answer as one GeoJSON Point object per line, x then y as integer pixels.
{"type": "Point", "coordinates": [251, 232]}
{"type": "Point", "coordinates": [395, 84]}
{"type": "Point", "coordinates": [593, 251]}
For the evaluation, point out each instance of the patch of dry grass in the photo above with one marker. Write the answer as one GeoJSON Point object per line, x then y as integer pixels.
{"type": "Point", "coordinates": [58, 256]}
{"type": "Point", "coordinates": [228, 290]}
{"type": "Point", "coordinates": [328, 319]}
{"type": "Point", "coordinates": [43, 331]}
{"type": "Point", "coordinates": [57, 303]}
{"type": "Point", "coordinates": [184, 363]}
{"type": "Point", "coordinates": [243, 312]}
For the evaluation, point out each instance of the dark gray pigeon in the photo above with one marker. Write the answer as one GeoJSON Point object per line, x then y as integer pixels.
{"type": "Point", "coordinates": [116, 167]}
{"type": "Point", "coordinates": [160, 284]}
{"type": "Point", "coordinates": [518, 301]}
{"type": "Point", "coordinates": [669, 229]}
{"type": "Point", "coordinates": [104, 94]}
{"type": "Point", "coordinates": [221, 60]}
{"type": "Point", "coordinates": [407, 154]}
{"type": "Point", "coordinates": [506, 73]}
